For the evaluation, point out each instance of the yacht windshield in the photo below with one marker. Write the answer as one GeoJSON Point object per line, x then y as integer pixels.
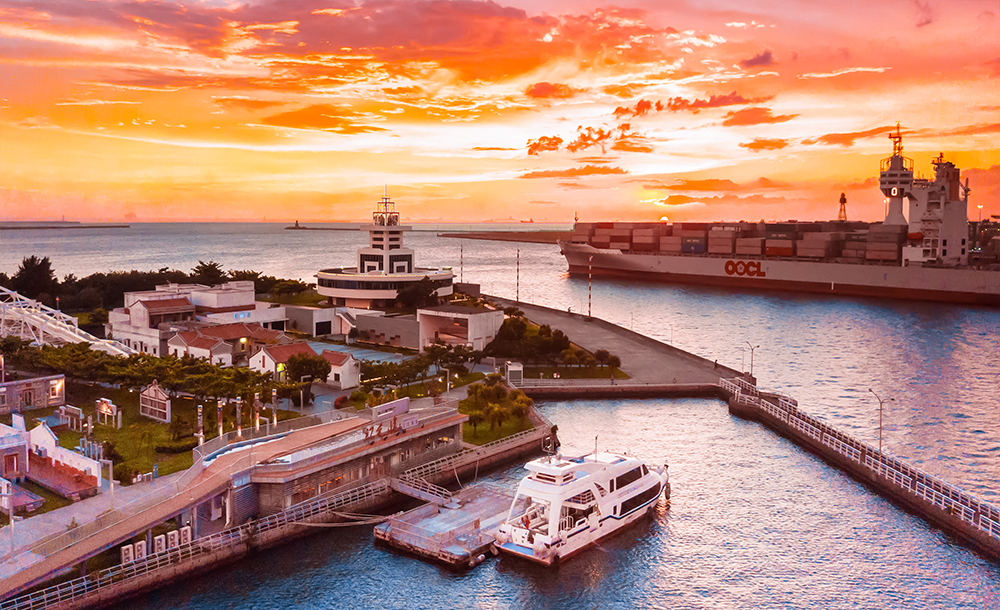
{"type": "Point", "coordinates": [530, 513]}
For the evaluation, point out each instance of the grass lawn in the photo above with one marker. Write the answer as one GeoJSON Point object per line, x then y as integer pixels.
{"type": "Point", "coordinates": [573, 372]}
{"type": "Point", "coordinates": [420, 390]}
{"type": "Point", "coordinates": [485, 435]}
{"type": "Point", "coordinates": [139, 436]}
{"type": "Point", "coordinates": [52, 501]}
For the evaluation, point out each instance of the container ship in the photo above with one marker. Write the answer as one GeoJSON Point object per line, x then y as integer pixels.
{"type": "Point", "coordinates": [929, 254]}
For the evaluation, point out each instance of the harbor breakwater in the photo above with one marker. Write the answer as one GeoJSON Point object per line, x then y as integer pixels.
{"type": "Point", "coordinates": [969, 519]}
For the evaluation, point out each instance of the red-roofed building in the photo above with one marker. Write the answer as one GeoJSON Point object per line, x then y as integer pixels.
{"type": "Point", "coordinates": [243, 340]}
{"type": "Point", "coordinates": [273, 358]}
{"type": "Point", "coordinates": [192, 343]}
{"type": "Point", "coordinates": [150, 317]}
{"type": "Point", "coordinates": [345, 371]}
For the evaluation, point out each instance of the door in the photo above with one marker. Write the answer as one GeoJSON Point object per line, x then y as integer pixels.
{"type": "Point", "coordinates": [10, 466]}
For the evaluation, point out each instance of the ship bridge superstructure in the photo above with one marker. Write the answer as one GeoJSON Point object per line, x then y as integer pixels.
{"type": "Point", "coordinates": [938, 218]}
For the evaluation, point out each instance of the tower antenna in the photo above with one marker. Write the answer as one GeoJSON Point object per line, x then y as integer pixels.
{"type": "Point", "coordinates": [842, 215]}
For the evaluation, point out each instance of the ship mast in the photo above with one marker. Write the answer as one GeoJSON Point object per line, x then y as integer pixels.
{"type": "Point", "coordinates": [896, 180]}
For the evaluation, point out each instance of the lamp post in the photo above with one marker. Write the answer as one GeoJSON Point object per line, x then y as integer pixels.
{"type": "Point", "coordinates": [302, 391]}
{"type": "Point", "coordinates": [590, 284]}
{"type": "Point", "coordinates": [880, 401]}
{"type": "Point", "coordinates": [447, 376]}
{"type": "Point", "coordinates": [10, 517]}
{"type": "Point", "coordinates": [111, 479]}
{"type": "Point", "coordinates": [3, 370]}
{"type": "Point", "coordinates": [752, 348]}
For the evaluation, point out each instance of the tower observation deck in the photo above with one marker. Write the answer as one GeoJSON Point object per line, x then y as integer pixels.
{"type": "Point", "coordinates": [383, 268]}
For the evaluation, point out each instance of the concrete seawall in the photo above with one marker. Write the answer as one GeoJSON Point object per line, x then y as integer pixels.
{"type": "Point", "coordinates": [950, 509]}
{"type": "Point", "coordinates": [621, 390]}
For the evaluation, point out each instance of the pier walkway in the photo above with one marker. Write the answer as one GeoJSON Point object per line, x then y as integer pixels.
{"type": "Point", "coordinates": [198, 484]}
{"type": "Point", "coordinates": [646, 360]}
{"type": "Point", "coordinates": [940, 503]}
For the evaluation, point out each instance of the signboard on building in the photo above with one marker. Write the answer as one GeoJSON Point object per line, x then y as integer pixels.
{"type": "Point", "coordinates": [154, 403]}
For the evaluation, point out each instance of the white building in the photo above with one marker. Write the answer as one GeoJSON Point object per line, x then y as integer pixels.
{"type": "Point", "coordinates": [149, 318]}
{"type": "Point", "coordinates": [345, 371]}
{"type": "Point", "coordinates": [458, 325]}
{"type": "Point", "coordinates": [383, 268]}
{"type": "Point", "coordinates": [274, 358]}
{"type": "Point", "coordinates": [224, 344]}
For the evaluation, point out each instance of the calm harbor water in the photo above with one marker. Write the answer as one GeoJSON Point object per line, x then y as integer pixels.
{"type": "Point", "coordinates": [754, 522]}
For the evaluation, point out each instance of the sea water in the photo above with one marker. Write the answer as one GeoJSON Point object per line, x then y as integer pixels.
{"type": "Point", "coordinates": [754, 522]}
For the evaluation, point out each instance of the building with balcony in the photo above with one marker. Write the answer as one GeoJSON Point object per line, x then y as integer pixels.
{"type": "Point", "coordinates": [383, 269]}
{"type": "Point", "coordinates": [151, 317]}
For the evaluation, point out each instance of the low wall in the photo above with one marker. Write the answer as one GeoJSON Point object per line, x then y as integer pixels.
{"type": "Point", "coordinates": [625, 390]}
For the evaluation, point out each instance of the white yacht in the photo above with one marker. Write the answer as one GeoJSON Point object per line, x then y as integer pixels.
{"type": "Point", "coordinates": [566, 504]}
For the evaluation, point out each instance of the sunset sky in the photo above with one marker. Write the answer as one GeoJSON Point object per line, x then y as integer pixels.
{"type": "Point", "coordinates": [471, 111]}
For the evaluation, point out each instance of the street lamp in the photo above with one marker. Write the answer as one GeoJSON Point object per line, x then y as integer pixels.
{"type": "Point", "coordinates": [447, 376]}
{"type": "Point", "coordinates": [11, 517]}
{"type": "Point", "coordinates": [302, 391]}
{"type": "Point", "coordinates": [3, 370]}
{"type": "Point", "coordinates": [111, 479]}
{"type": "Point", "coordinates": [880, 401]}
{"type": "Point", "coordinates": [752, 348]}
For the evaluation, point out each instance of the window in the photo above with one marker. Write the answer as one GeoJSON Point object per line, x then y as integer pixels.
{"type": "Point", "coordinates": [636, 501]}
{"type": "Point", "coordinates": [944, 242]}
{"type": "Point", "coordinates": [963, 241]}
{"type": "Point", "coordinates": [336, 376]}
{"type": "Point", "coordinates": [629, 477]}
{"type": "Point", "coordinates": [944, 253]}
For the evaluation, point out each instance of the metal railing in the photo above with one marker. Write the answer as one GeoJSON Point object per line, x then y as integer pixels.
{"type": "Point", "coordinates": [28, 318]}
{"type": "Point", "coordinates": [972, 510]}
{"type": "Point", "coordinates": [92, 584]}
{"type": "Point", "coordinates": [467, 455]}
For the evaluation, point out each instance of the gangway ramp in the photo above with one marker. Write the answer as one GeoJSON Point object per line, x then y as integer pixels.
{"type": "Point", "coordinates": [43, 562]}
{"type": "Point", "coordinates": [34, 321]}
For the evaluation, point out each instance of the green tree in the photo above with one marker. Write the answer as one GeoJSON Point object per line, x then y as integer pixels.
{"type": "Point", "coordinates": [614, 362]}
{"type": "Point", "coordinates": [99, 316]}
{"type": "Point", "coordinates": [475, 418]}
{"type": "Point", "coordinates": [302, 365]}
{"type": "Point", "coordinates": [496, 414]}
{"type": "Point", "coordinates": [601, 356]}
{"type": "Point", "coordinates": [210, 273]}
{"type": "Point", "coordinates": [34, 277]}
{"type": "Point", "coordinates": [419, 294]}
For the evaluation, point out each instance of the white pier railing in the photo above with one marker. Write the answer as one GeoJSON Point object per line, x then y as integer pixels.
{"type": "Point", "coordinates": [906, 478]}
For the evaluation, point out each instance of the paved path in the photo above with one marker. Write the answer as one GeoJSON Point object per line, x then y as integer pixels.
{"type": "Point", "coordinates": [213, 477]}
{"type": "Point", "coordinates": [646, 360]}
{"type": "Point", "coordinates": [39, 526]}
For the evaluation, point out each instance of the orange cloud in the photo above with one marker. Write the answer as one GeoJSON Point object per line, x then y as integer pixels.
{"type": "Point", "coordinates": [760, 144]}
{"type": "Point", "coordinates": [544, 143]}
{"type": "Point", "coordinates": [322, 117]}
{"type": "Point", "coordinates": [754, 116]}
{"type": "Point", "coordinates": [550, 90]}
{"type": "Point", "coordinates": [586, 170]}
{"type": "Point", "coordinates": [847, 139]}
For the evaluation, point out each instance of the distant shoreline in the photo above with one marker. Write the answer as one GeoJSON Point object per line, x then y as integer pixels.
{"type": "Point", "coordinates": [66, 226]}
{"type": "Point", "coordinates": [531, 237]}
{"type": "Point", "coordinates": [300, 228]}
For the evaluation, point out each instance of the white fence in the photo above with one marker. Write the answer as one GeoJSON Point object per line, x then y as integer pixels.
{"type": "Point", "coordinates": [912, 480]}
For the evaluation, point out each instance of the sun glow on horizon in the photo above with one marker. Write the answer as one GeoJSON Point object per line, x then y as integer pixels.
{"type": "Point", "coordinates": [480, 110]}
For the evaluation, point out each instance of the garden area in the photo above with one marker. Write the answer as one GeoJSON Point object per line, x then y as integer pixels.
{"type": "Point", "coordinates": [494, 413]}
